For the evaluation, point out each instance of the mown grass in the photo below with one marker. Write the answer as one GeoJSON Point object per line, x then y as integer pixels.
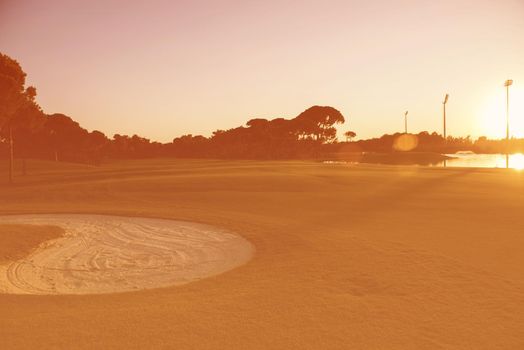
{"type": "Point", "coordinates": [346, 256]}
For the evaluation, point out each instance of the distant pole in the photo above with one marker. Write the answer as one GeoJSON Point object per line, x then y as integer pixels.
{"type": "Point", "coordinates": [444, 126]}
{"type": "Point", "coordinates": [444, 104]}
{"type": "Point", "coordinates": [507, 84]}
{"type": "Point", "coordinates": [406, 122]}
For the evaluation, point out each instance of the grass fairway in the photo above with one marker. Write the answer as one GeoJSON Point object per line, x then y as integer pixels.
{"type": "Point", "coordinates": [18, 241]}
{"type": "Point", "coordinates": [364, 257]}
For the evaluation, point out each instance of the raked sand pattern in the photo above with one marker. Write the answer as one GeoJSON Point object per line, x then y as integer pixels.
{"type": "Point", "coordinates": [107, 254]}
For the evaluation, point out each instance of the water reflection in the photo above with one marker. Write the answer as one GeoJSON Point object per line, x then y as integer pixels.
{"type": "Point", "coordinates": [472, 160]}
{"type": "Point", "coordinates": [462, 160]}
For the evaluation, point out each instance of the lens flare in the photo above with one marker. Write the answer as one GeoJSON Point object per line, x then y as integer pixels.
{"type": "Point", "coordinates": [405, 142]}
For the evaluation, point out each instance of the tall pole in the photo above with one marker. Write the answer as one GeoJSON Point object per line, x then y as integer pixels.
{"type": "Point", "coordinates": [406, 122]}
{"type": "Point", "coordinates": [444, 106]}
{"type": "Point", "coordinates": [444, 134]}
{"type": "Point", "coordinates": [507, 84]}
{"type": "Point", "coordinates": [507, 111]}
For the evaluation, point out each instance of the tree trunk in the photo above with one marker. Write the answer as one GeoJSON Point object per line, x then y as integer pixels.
{"type": "Point", "coordinates": [11, 158]}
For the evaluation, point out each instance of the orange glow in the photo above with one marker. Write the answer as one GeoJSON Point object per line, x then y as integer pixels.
{"type": "Point", "coordinates": [517, 161]}
{"type": "Point", "coordinates": [261, 174]}
{"type": "Point", "coordinates": [173, 67]}
{"type": "Point", "coordinates": [492, 112]}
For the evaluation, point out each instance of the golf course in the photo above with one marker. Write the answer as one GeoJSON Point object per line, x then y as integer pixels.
{"type": "Point", "coordinates": [378, 257]}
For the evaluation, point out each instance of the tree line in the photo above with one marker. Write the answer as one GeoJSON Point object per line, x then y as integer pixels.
{"type": "Point", "coordinates": [26, 131]}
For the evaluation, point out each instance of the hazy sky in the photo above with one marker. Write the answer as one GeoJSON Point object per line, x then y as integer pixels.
{"type": "Point", "coordinates": [166, 68]}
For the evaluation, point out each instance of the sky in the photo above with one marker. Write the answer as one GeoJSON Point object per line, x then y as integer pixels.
{"type": "Point", "coordinates": [162, 68]}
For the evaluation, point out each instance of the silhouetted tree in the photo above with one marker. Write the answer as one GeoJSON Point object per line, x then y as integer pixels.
{"type": "Point", "coordinates": [69, 140]}
{"type": "Point", "coordinates": [15, 100]}
{"type": "Point", "coordinates": [350, 135]}
{"type": "Point", "coordinates": [317, 123]}
{"type": "Point", "coordinates": [97, 143]}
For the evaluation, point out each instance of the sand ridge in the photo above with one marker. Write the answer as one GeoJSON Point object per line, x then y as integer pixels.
{"type": "Point", "coordinates": [107, 254]}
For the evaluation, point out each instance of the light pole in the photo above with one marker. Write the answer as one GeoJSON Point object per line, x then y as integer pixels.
{"type": "Point", "coordinates": [444, 105]}
{"type": "Point", "coordinates": [444, 131]}
{"type": "Point", "coordinates": [507, 84]}
{"type": "Point", "coordinates": [406, 122]}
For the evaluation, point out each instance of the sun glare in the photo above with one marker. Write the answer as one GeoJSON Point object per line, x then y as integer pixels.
{"type": "Point", "coordinates": [517, 161]}
{"type": "Point", "coordinates": [493, 113]}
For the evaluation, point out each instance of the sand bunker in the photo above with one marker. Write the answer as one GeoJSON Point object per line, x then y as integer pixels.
{"type": "Point", "coordinates": [107, 254]}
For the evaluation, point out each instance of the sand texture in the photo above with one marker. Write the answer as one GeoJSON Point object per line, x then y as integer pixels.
{"type": "Point", "coordinates": [107, 254]}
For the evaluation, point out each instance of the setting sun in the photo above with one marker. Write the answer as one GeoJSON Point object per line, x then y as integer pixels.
{"type": "Point", "coordinates": [493, 112]}
{"type": "Point", "coordinates": [517, 161]}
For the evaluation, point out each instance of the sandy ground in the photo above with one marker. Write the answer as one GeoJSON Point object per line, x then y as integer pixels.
{"type": "Point", "coordinates": [365, 257]}
{"type": "Point", "coordinates": [108, 254]}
